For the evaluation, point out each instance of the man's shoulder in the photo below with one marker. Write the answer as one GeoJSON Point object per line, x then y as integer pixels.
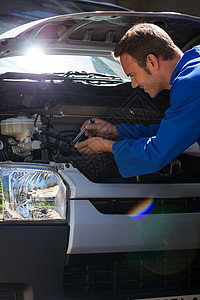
{"type": "Point", "coordinates": [185, 87]}
{"type": "Point", "coordinates": [187, 65]}
{"type": "Point", "coordinates": [189, 72]}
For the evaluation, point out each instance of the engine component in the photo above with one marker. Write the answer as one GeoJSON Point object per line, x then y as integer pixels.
{"type": "Point", "coordinates": [29, 146]}
{"type": "Point", "coordinates": [22, 129]}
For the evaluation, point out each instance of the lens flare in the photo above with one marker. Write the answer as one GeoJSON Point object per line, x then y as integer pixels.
{"type": "Point", "coordinates": [142, 209]}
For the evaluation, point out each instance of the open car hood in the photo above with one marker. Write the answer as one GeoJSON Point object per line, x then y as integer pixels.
{"type": "Point", "coordinates": [94, 33]}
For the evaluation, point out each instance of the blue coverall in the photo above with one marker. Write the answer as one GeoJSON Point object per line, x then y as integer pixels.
{"type": "Point", "coordinates": [146, 149]}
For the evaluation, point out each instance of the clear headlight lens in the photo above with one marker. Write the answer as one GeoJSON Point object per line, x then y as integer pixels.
{"type": "Point", "coordinates": [31, 194]}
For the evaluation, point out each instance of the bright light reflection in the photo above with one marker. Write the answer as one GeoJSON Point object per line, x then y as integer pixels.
{"type": "Point", "coordinates": [37, 62]}
{"type": "Point", "coordinates": [142, 209]}
{"type": "Point", "coordinates": [35, 53]}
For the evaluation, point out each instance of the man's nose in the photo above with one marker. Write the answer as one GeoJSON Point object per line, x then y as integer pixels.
{"type": "Point", "coordinates": [134, 83]}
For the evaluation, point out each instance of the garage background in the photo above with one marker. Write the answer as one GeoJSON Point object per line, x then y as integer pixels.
{"type": "Point", "coordinates": [17, 12]}
{"type": "Point", "coordinates": [183, 6]}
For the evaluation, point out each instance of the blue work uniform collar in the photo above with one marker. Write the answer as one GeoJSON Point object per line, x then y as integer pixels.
{"type": "Point", "coordinates": [190, 54]}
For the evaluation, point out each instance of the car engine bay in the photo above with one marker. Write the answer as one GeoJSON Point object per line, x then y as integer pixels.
{"type": "Point", "coordinates": [39, 118]}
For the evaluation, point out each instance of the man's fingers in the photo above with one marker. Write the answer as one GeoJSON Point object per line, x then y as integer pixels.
{"type": "Point", "coordinates": [97, 121]}
{"type": "Point", "coordinates": [91, 126]}
{"type": "Point", "coordinates": [100, 128]}
{"type": "Point", "coordinates": [91, 133]}
{"type": "Point", "coordinates": [84, 124]}
{"type": "Point", "coordinates": [95, 130]}
{"type": "Point", "coordinates": [91, 129]}
{"type": "Point", "coordinates": [81, 145]}
{"type": "Point", "coordinates": [84, 147]}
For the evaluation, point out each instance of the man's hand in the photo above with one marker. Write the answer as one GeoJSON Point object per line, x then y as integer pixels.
{"type": "Point", "coordinates": [94, 145]}
{"type": "Point", "coordinates": [100, 128]}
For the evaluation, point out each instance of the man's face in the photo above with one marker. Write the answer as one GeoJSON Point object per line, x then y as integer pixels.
{"type": "Point", "coordinates": [148, 81]}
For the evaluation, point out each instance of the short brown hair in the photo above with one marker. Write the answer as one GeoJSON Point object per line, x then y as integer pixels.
{"type": "Point", "coordinates": [143, 39]}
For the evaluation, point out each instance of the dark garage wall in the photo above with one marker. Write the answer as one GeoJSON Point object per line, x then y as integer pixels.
{"type": "Point", "coordinates": [183, 6]}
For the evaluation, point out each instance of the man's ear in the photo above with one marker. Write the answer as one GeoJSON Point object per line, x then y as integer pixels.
{"type": "Point", "coordinates": [152, 62]}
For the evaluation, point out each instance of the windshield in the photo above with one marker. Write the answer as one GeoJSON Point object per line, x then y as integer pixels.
{"type": "Point", "coordinates": [38, 63]}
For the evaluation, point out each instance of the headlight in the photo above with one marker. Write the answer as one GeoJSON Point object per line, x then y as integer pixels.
{"type": "Point", "coordinates": [33, 194]}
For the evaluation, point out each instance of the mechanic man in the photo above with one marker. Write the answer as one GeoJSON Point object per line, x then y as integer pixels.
{"type": "Point", "coordinates": [154, 63]}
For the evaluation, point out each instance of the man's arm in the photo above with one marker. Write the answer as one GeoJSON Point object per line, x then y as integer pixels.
{"type": "Point", "coordinates": [179, 129]}
{"type": "Point", "coordinates": [106, 130]}
{"type": "Point", "coordinates": [136, 131]}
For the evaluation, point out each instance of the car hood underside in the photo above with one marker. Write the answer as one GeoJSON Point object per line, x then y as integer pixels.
{"type": "Point", "coordinates": [95, 33]}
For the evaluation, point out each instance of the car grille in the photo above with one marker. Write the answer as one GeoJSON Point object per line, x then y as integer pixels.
{"type": "Point", "coordinates": [127, 275]}
{"type": "Point", "coordinates": [160, 206]}
{"type": "Point", "coordinates": [7, 294]}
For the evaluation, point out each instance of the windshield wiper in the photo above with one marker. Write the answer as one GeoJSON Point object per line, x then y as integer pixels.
{"type": "Point", "coordinates": [93, 76]}
{"type": "Point", "coordinates": [78, 76]}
